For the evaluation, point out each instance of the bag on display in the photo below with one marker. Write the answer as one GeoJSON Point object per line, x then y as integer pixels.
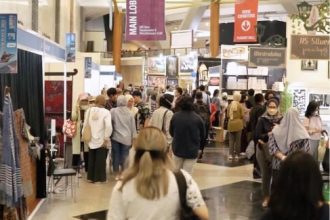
{"type": "Point", "coordinates": [69, 128]}
{"type": "Point", "coordinates": [87, 131]}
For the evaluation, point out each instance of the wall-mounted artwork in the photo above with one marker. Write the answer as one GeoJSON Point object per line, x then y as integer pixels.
{"type": "Point", "coordinates": [188, 64]}
{"type": "Point", "coordinates": [172, 66]}
{"type": "Point", "coordinates": [309, 65]}
{"type": "Point", "coordinates": [157, 65]}
{"type": "Point", "coordinates": [172, 82]}
{"type": "Point", "coordinates": [322, 99]}
{"type": "Point", "coordinates": [159, 81]}
{"type": "Point", "coordinates": [299, 100]}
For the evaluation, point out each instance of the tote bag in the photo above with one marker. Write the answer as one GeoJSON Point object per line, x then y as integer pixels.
{"type": "Point", "coordinates": [87, 132]}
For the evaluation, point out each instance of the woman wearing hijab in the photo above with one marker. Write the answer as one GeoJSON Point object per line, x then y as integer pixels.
{"type": "Point", "coordinates": [124, 131]}
{"type": "Point", "coordinates": [99, 120]}
{"type": "Point", "coordinates": [265, 125]}
{"type": "Point", "coordinates": [130, 104]}
{"type": "Point", "coordinates": [287, 137]}
{"type": "Point", "coordinates": [235, 126]}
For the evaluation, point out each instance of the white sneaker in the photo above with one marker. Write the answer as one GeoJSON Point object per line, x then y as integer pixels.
{"type": "Point", "coordinates": [230, 157]}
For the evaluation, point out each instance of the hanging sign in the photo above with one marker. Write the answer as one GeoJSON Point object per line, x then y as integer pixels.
{"type": "Point", "coordinates": [145, 20]}
{"type": "Point", "coordinates": [70, 40]}
{"type": "Point", "coordinates": [88, 67]}
{"type": "Point", "coordinates": [310, 47]}
{"type": "Point", "coordinates": [246, 12]}
{"type": "Point", "coordinates": [8, 43]}
{"type": "Point", "coordinates": [267, 57]}
{"type": "Point", "coordinates": [234, 52]}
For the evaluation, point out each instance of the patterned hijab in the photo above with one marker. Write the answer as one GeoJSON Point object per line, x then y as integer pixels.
{"type": "Point", "coordinates": [289, 130]}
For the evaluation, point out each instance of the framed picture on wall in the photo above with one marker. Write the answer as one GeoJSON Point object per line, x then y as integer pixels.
{"type": "Point", "coordinates": [153, 81]}
{"type": "Point", "coordinates": [157, 65]}
{"type": "Point", "coordinates": [172, 82]}
{"type": "Point", "coordinates": [172, 66]}
{"type": "Point", "coordinates": [188, 64]}
{"type": "Point", "coordinates": [322, 99]}
{"type": "Point", "coordinates": [309, 65]}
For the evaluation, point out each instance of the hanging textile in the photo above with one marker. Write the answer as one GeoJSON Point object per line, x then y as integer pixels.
{"type": "Point", "coordinates": [10, 174]}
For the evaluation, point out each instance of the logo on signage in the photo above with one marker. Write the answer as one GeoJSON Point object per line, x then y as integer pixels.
{"type": "Point", "coordinates": [246, 25]}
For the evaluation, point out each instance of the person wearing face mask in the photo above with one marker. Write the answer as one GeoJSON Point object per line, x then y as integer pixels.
{"type": "Point", "coordinates": [313, 124]}
{"type": "Point", "coordinates": [264, 126]}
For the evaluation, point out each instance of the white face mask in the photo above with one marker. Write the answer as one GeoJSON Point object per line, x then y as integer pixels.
{"type": "Point", "coordinates": [84, 107]}
{"type": "Point", "coordinates": [316, 113]}
{"type": "Point", "coordinates": [272, 111]}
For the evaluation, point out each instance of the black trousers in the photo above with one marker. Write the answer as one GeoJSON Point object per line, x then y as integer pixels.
{"type": "Point", "coordinates": [97, 164]}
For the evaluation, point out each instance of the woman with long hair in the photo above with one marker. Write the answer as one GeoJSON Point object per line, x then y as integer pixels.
{"type": "Point", "coordinates": [313, 124]}
{"type": "Point", "coordinates": [297, 192]}
{"type": "Point", "coordinates": [149, 189]}
{"type": "Point", "coordinates": [265, 125]}
{"type": "Point", "coordinates": [217, 104]}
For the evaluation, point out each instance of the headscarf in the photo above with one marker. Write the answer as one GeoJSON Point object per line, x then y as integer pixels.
{"type": "Point", "coordinates": [289, 130]}
{"type": "Point", "coordinates": [234, 104]}
{"type": "Point", "coordinates": [275, 119]}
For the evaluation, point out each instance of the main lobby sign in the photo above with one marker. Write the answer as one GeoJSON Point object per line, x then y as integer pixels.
{"type": "Point", "coordinates": [310, 47]}
{"type": "Point", "coordinates": [246, 12]}
{"type": "Point", "coordinates": [145, 20]}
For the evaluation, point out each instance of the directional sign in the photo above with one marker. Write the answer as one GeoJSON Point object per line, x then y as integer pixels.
{"type": "Point", "coordinates": [246, 12]}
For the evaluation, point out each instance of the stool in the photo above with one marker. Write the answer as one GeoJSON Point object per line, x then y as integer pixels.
{"type": "Point", "coordinates": [65, 172]}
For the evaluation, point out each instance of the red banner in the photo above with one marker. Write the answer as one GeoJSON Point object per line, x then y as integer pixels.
{"type": "Point", "coordinates": [246, 12]}
{"type": "Point", "coordinates": [145, 20]}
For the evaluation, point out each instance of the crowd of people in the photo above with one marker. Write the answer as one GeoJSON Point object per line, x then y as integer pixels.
{"type": "Point", "coordinates": [152, 135]}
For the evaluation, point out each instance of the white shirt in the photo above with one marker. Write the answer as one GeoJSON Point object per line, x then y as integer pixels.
{"type": "Point", "coordinates": [99, 120]}
{"type": "Point", "coordinates": [128, 204]}
{"type": "Point", "coordinates": [157, 120]}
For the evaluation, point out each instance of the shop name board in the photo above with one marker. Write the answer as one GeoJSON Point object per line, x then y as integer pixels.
{"type": "Point", "coordinates": [310, 47]}
{"type": "Point", "coordinates": [234, 52]}
{"type": "Point", "coordinates": [267, 57]}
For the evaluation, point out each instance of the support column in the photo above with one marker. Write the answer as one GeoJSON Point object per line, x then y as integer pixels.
{"type": "Point", "coordinates": [117, 39]}
{"type": "Point", "coordinates": [35, 15]}
{"type": "Point", "coordinates": [214, 28]}
{"type": "Point", "coordinates": [57, 20]}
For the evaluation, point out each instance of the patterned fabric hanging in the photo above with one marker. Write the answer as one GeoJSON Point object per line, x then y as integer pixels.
{"type": "Point", "coordinates": [10, 173]}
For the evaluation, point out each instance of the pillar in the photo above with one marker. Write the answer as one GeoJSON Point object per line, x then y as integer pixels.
{"type": "Point", "coordinates": [214, 28]}
{"type": "Point", "coordinates": [35, 13]}
{"type": "Point", "coordinates": [117, 39]}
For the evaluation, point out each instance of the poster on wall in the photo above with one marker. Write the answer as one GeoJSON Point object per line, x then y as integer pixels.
{"type": "Point", "coordinates": [145, 20]}
{"type": "Point", "coordinates": [188, 64]}
{"type": "Point", "coordinates": [322, 99]}
{"type": "Point", "coordinates": [172, 66]}
{"type": "Point", "coordinates": [214, 81]}
{"type": "Point", "coordinates": [157, 65]}
{"type": "Point", "coordinates": [70, 40]}
{"type": "Point", "coordinates": [172, 82]}
{"type": "Point", "coordinates": [299, 100]}
{"type": "Point", "coordinates": [159, 81]}
{"type": "Point", "coordinates": [88, 67]}
{"type": "Point", "coordinates": [8, 46]}
{"type": "Point", "coordinates": [246, 12]}
{"type": "Point", "coordinates": [310, 47]}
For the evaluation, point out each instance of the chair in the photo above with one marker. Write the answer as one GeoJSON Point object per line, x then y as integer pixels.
{"type": "Point", "coordinates": [55, 174]}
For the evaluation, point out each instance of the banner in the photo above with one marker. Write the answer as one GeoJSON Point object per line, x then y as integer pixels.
{"type": "Point", "coordinates": [267, 57]}
{"type": "Point", "coordinates": [145, 20]}
{"type": "Point", "coordinates": [88, 67]}
{"type": "Point", "coordinates": [70, 39]}
{"type": "Point", "coordinates": [8, 39]}
{"type": "Point", "coordinates": [234, 52]}
{"type": "Point", "coordinates": [310, 47]}
{"type": "Point", "coordinates": [246, 12]}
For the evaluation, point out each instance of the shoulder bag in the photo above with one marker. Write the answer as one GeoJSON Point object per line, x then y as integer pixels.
{"type": "Point", "coordinates": [87, 132]}
{"type": "Point", "coordinates": [186, 213]}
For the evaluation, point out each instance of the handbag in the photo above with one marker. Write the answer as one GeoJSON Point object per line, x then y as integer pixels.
{"type": "Point", "coordinates": [69, 128]}
{"type": "Point", "coordinates": [87, 131]}
{"type": "Point", "coordinates": [186, 213]}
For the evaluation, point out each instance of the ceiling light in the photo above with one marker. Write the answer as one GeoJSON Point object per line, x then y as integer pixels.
{"type": "Point", "coordinates": [195, 39]}
{"type": "Point", "coordinates": [207, 24]}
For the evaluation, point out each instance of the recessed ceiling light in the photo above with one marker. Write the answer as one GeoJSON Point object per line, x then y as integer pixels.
{"type": "Point", "coordinates": [207, 23]}
{"type": "Point", "coordinates": [195, 39]}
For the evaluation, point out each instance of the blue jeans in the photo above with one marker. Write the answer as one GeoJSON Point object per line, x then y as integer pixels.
{"type": "Point", "coordinates": [119, 154]}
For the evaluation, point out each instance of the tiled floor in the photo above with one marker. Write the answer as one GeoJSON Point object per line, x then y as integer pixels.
{"type": "Point", "coordinates": [228, 188]}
